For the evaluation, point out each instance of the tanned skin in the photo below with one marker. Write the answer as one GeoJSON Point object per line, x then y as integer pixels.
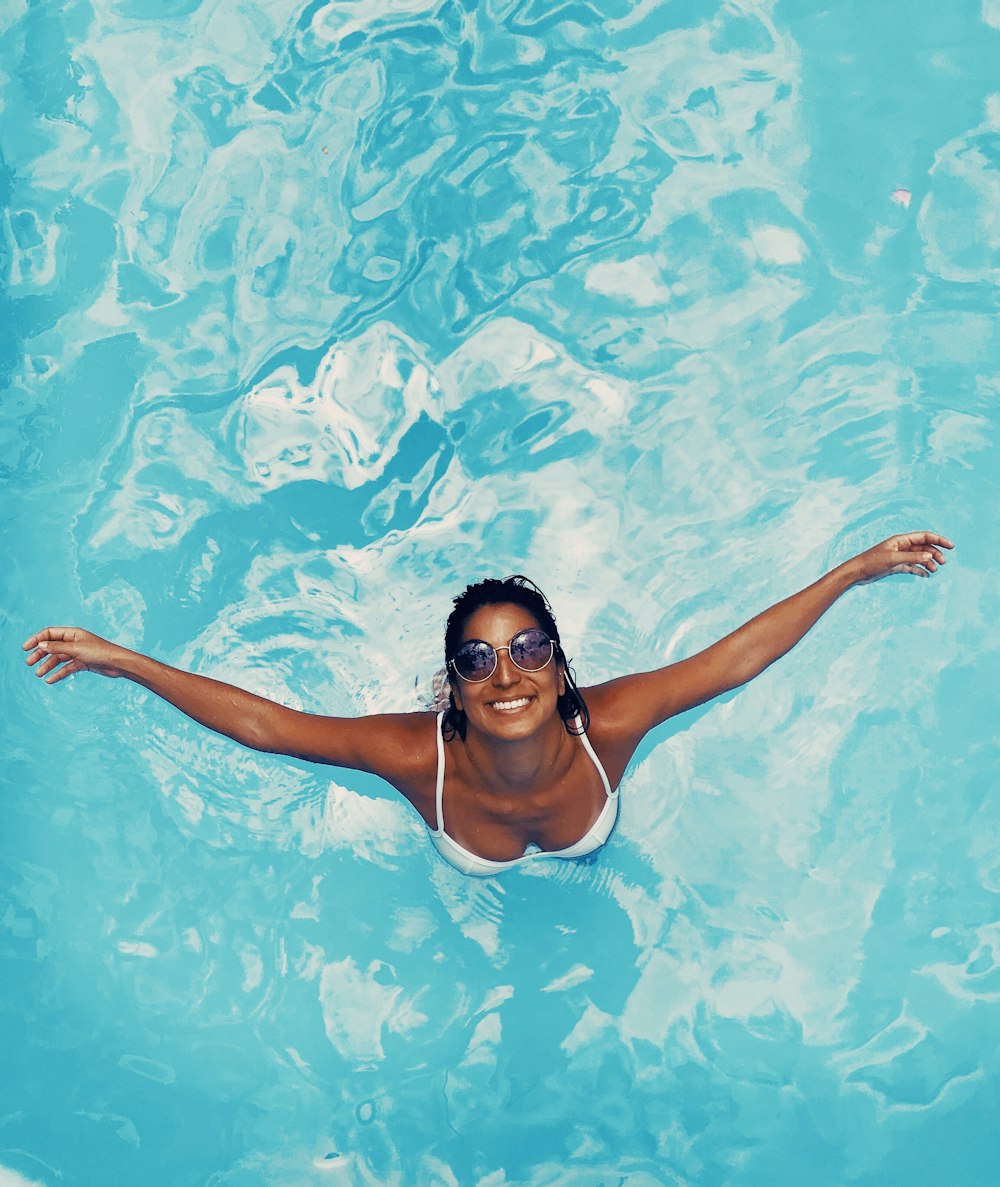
{"type": "Point", "coordinates": [517, 777]}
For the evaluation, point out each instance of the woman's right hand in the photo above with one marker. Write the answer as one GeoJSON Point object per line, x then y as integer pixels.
{"type": "Point", "coordinates": [61, 651]}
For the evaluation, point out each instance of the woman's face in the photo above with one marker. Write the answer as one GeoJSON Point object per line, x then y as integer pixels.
{"type": "Point", "coordinates": [511, 703]}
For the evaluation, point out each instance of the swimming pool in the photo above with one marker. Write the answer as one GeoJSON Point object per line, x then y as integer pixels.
{"type": "Point", "coordinates": [320, 312]}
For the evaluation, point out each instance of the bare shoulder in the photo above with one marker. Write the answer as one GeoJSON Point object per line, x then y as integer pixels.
{"type": "Point", "coordinates": [387, 744]}
{"type": "Point", "coordinates": [400, 748]}
{"type": "Point", "coordinates": [610, 732]}
{"type": "Point", "coordinates": [407, 741]}
{"type": "Point", "coordinates": [624, 710]}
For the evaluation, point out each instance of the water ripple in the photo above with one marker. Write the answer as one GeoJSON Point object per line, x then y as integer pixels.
{"type": "Point", "coordinates": [316, 314]}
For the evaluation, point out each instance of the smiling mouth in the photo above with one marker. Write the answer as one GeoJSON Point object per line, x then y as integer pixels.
{"type": "Point", "coordinates": [510, 706]}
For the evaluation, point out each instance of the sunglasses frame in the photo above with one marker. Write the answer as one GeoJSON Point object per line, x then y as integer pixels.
{"type": "Point", "coordinates": [496, 655]}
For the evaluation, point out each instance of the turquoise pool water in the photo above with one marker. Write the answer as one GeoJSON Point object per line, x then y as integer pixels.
{"type": "Point", "coordinates": [314, 313]}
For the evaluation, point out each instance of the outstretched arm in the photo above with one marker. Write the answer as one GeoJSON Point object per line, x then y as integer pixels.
{"type": "Point", "coordinates": [635, 704]}
{"type": "Point", "coordinates": [384, 745]}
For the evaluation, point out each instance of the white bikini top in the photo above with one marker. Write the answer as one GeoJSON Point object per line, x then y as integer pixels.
{"type": "Point", "coordinates": [482, 867]}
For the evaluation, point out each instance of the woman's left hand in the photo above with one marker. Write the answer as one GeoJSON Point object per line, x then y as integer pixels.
{"type": "Point", "coordinates": [917, 553]}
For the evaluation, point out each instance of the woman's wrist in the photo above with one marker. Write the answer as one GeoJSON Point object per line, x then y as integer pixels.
{"type": "Point", "coordinates": [138, 668]}
{"type": "Point", "coordinates": [845, 576]}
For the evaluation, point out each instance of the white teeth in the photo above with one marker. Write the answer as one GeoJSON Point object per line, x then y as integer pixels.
{"type": "Point", "coordinates": [505, 706]}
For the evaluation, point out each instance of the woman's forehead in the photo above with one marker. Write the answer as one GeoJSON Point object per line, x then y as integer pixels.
{"type": "Point", "coordinates": [496, 624]}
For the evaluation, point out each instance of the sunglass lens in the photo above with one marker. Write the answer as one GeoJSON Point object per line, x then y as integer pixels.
{"type": "Point", "coordinates": [475, 661]}
{"type": "Point", "coordinates": [531, 650]}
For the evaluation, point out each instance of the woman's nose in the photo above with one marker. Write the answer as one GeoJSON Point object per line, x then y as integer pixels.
{"type": "Point", "coordinates": [506, 671]}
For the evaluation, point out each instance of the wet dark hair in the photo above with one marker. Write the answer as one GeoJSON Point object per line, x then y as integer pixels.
{"type": "Point", "coordinates": [515, 590]}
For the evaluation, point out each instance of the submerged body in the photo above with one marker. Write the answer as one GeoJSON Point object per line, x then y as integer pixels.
{"type": "Point", "coordinates": [522, 762]}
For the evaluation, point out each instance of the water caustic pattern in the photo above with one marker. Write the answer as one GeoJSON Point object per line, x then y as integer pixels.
{"type": "Point", "coordinates": [314, 313]}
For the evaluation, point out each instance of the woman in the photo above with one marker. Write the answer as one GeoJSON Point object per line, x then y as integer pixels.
{"type": "Point", "coordinates": [521, 763]}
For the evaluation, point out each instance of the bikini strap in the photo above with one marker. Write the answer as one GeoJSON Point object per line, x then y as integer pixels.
{"type": "Point", "coordinates": [595, 760]}
{"type": "Point", "coordinates": [439, 789]}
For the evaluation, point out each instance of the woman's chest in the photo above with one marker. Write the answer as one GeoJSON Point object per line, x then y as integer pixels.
{"type": "Point", "coordinates": [554, 812]}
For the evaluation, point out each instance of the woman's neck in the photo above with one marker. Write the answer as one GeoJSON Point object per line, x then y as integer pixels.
{"type": "Point", "coordinates": [518, 764]}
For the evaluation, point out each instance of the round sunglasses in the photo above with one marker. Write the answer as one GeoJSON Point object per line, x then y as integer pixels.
{"type": "Point", "coordinates": [476, 661]}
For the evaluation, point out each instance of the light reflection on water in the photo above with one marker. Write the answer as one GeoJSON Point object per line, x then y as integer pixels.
{"type": "Point", "coordinates": [321, 315]}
